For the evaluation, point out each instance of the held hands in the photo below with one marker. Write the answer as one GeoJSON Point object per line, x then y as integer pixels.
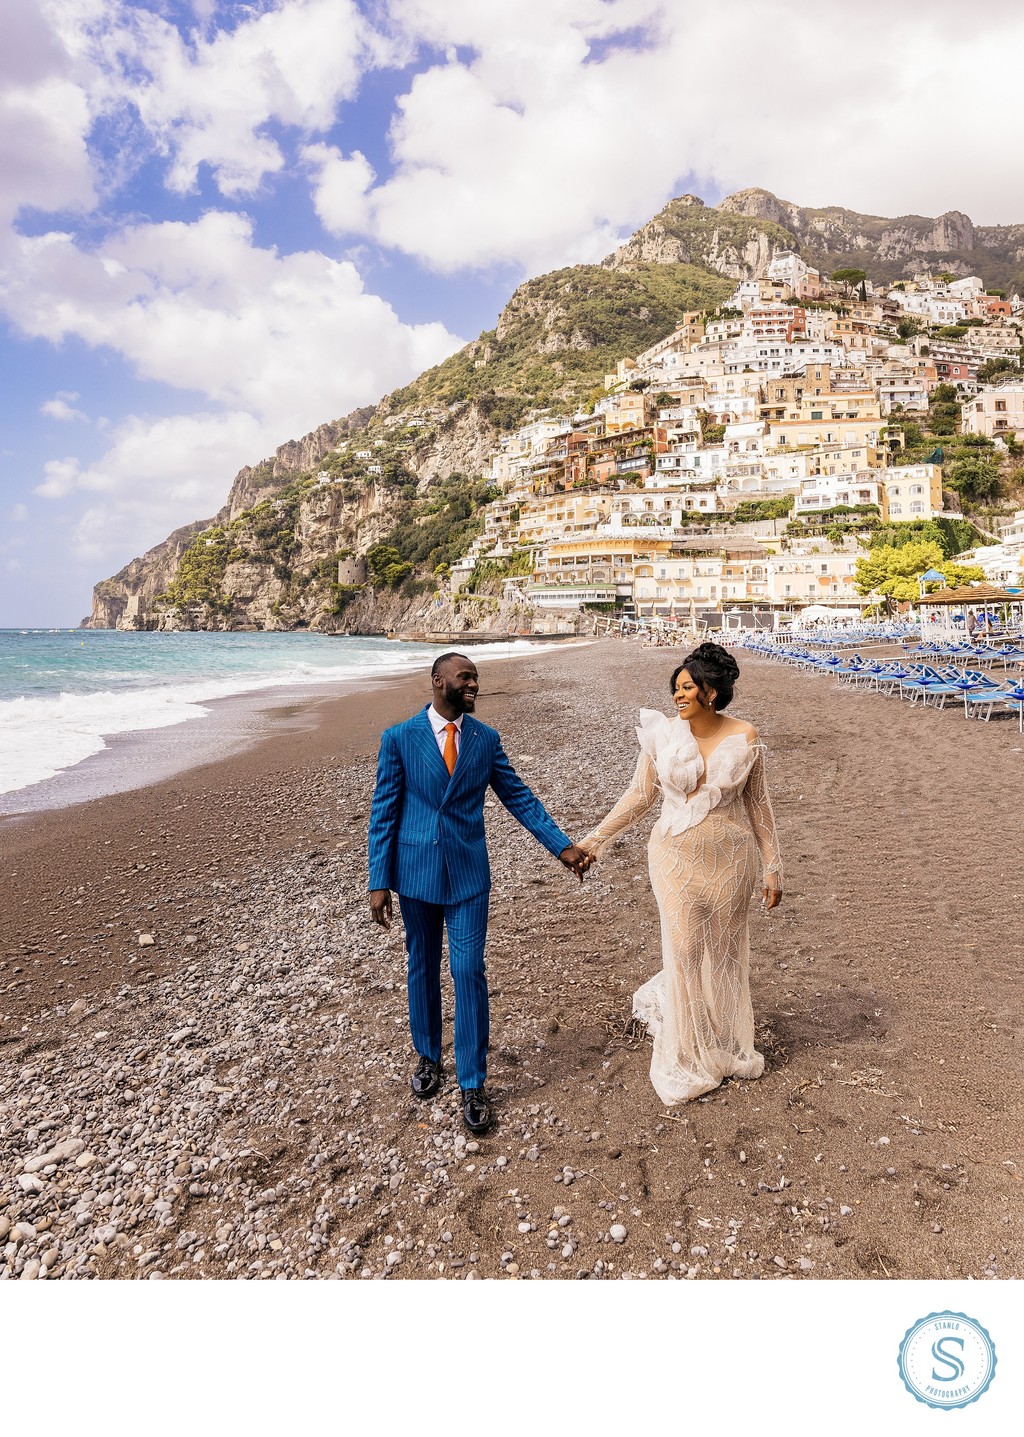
{"type": "Point", "coordinates": [578, 859]}
{"type": "Point", "coordinates": [771, 893]}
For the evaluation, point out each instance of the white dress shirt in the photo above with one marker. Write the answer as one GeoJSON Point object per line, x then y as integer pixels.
{"type": "Point", "coordinates": [440, 726]}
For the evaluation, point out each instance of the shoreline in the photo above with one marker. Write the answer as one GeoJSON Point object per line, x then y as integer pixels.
{"type": "Point", "coordinates": [239, 1086]}
{"type": "Point", "coordinates": [232, 723]}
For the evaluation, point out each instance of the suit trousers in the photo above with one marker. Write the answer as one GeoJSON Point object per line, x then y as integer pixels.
{"type": "Point", "coordinates": [467, 933]}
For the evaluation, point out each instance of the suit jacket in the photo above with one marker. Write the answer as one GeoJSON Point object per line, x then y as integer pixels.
{"type": "Point", "coordinates": [426, 829]}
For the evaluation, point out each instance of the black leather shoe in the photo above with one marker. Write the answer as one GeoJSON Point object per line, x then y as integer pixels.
{"type": "Point", "coordinates": [427, 1078]}
{"type": "Point", "coordinates": [476, 1110]}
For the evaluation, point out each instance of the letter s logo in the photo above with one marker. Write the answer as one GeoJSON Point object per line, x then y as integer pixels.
{"type": "Point", "coordinates": [940, 1355]}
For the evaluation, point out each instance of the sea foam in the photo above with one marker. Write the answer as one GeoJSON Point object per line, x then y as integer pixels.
{"type": "Point", "coordinates": [41, 737]}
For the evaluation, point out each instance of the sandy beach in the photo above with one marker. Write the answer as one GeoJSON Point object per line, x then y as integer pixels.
{"type": "Point", "coordinates": [231, 1100]}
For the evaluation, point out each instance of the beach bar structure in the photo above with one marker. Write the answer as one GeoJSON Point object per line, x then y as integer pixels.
{"type": "Point", "coordinates": [946, 606]}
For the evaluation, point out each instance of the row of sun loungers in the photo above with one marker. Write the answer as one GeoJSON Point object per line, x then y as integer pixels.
{"type": "Point", "coordinates": [919, 682]}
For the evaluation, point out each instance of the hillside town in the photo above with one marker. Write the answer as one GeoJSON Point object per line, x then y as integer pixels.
{"type": "Point", "coordinates": [729, 469]}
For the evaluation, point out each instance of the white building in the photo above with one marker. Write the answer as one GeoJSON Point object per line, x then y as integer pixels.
{"type": "Point", "coordinates": [829, 491]}
{"type": "Point", "coordinates": [996, 411]}
{"type": "Point", "coordinates": [1003, 563]}
{"type": "Point", "coordinates": [905, 391]}
{"type": "Point", "coordinates": [779, 357]}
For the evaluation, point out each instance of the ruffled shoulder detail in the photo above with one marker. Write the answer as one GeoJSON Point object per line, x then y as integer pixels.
{"type": "Point", "coordinates": [653, 726]}
{"type": "Point", "coordinates": [736, 757]}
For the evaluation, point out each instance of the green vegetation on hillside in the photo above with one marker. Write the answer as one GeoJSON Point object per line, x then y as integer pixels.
{"type": "Point", "coordinates": [264, 534]}
{"type": "Point", "coordinates": [952, 536]}
{"type": "Point", "coordinates": [560, 334]}
{"type": "Point", "coordinates": [432, 531]}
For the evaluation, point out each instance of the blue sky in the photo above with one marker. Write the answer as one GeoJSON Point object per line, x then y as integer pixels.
{"type": "Point", "coordinates": [222, 224]}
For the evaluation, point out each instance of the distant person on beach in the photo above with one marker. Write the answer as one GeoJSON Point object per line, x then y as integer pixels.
{"type": "Point", "coordinates": [716, 824]}
{"type": "Point", "coordinates": [427, 844]}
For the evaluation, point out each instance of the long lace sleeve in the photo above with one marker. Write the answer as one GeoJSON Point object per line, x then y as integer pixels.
{"type": "Point", "coordinates": [631, 807]}
{"type": "Point", "coordinates": [762, 819]}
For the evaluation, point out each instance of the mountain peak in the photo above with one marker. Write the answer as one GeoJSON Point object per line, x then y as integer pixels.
{"type": "Point", "coordinates": [758, 204]}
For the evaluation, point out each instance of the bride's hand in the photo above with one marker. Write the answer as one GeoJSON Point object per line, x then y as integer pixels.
{"type": "Point", "coordinates": [589, 856]}
{"type": "Point", "coordinates": [771, 894]}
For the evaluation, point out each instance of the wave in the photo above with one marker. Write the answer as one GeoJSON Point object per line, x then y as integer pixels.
{"type": "Point", "coordinates": [41, 737]}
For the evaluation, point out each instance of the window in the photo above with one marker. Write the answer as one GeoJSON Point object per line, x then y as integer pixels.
{"type": "Point", "coordinates": [1000, 406]}
{"type": "Point", "coordinates": [917, 489]}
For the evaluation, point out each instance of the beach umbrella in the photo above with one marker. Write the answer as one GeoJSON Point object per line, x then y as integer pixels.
{"type": "Point", "coordinates": [966, 685]}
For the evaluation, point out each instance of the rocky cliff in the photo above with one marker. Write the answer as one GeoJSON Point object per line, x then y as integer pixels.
{"type": "Point", "coordinates": [721, 240]}
{"type": "Point", "coordinates": [117, 603]}
{"type": "Point", "coordinates": [890, 249]}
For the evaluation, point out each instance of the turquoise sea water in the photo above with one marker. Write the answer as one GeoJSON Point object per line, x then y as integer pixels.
{"type": "Point", "coordinates": [64, 692]}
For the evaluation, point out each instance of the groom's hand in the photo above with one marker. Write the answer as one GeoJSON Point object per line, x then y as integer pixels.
{"type": "Point", "coordinates": [380, 906]}
{"type": "Point", "coordinates": [576, 859]}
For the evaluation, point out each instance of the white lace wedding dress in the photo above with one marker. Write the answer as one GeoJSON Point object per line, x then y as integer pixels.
{"type": "Point", "coordinates": [703, 857]}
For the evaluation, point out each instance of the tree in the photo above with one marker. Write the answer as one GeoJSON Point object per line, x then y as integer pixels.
{"type": "Point", "coordinates": [849, 277]}
{"type": "Point", "coordinates": [894, 571]}
{"type": "Point", "coordinates": [387, 565]}
{"type": "Point", "coordinates": [908, 326]}
{"type": "Point", "coordinates": [997, 293]}
{"type": "Point", "coordinates": [974, 477]}
{"type": "Point", "coordinates": [959, 574]}
{"type": "Point", "coordinates": [945, 277]}
{"type": "Point", "coordinates": [943, 410]}
{"type": "Point", "coordinates": [1001, 368]}
{"type": "Point", "coordinates": [664, 400]}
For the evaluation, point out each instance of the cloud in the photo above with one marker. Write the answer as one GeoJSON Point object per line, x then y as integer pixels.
{"type": "Point", "coordinates": [45, 119]}
{"type": "Point", "coordinates": [157, 473]}
{"type": "Point", "coordinates": [340, 188]}
{"type": "Point", "coordinates": [292, 339]}
{"type": "Point", "coordinates": [210, 101]}
{"type": "Point", "coordinates": [273, 344]}
{"type": "Point", "coordinates": [18, 514]}
{"type": "Point", "coordinates": [60, 408]}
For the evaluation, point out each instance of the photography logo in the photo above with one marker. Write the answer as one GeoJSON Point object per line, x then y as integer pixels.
{"type": "Point", "coordinates": [947, 1359]}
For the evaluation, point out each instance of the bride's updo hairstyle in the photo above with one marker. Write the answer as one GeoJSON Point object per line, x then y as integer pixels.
{"type": "Point", "coordinates": [711, 667]}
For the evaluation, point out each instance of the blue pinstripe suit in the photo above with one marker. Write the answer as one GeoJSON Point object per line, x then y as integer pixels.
{"type": "Point", "coordinates": [427, 843]}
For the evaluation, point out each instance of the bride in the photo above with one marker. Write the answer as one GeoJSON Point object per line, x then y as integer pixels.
{"type": "Point", "coordinates": [716, 821]}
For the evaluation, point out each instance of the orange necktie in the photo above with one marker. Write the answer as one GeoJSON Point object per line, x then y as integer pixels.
{"type": "Point", "coordinates": [450, 751]}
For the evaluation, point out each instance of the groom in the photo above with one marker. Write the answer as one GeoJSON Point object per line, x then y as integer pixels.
{"type": "Point", "coordinates": [427, 842]}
